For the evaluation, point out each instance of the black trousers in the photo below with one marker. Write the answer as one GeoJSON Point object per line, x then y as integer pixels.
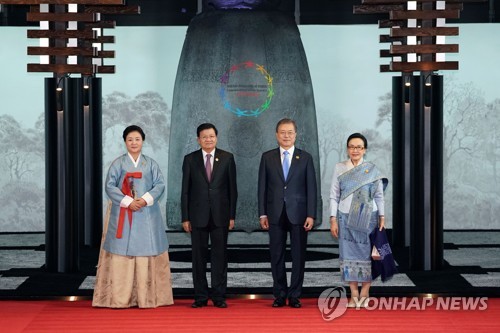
{"type": "Point", "coordinates": [218, 261]}
{"type": "Point", "coordinates": [277, 246]}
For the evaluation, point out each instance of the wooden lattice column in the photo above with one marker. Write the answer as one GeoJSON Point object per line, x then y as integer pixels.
{"type": "Point", "coordinates": [417, 32]}
{"type": "Point", "coordinates": [72, 41]}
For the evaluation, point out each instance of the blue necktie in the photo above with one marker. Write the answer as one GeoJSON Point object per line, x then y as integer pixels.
{"type": "Point", "coordinates": [286, 163]}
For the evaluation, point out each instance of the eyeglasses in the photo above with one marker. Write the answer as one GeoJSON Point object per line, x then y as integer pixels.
{"type": "Point", "coordinates": [358, 148]}
{"type": "Point", "coordinates": [286, 133]}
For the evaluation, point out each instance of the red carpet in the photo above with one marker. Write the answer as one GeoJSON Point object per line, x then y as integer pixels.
{"type": "Point", "coordinates": [243, 315]}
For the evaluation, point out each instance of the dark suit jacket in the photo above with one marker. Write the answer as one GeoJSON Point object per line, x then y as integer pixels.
{"type": "Point", "coordinates": [299, 190]}
{"type": "Point", "coordinates": [199, 198]}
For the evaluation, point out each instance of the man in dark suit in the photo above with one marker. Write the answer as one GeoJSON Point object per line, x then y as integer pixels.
{"type": "Point", "coordinates": [287, 203]}
{"type": "Point", "coordinates": [208, 204]}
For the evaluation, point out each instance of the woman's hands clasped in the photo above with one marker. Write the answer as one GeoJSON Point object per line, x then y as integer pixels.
{"type": "Point", "coordinates": [137, 204]}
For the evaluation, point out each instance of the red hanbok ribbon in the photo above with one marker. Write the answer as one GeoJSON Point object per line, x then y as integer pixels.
{"type": "Point", "coordinates": [127, 191]}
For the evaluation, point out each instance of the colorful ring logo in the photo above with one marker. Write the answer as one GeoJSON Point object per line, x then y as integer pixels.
{"type": "Point", "coordinates": [223, 92]}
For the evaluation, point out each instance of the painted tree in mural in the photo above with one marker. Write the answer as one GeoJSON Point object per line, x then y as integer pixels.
{"type": "Point", "coordinates": [379, 149]}
{"type": "Point", "coordinates": [490, 140]}
{"type": "Point", "coordinates": [380, 137]}
{"type": "Point", "coordinates": [147, 110]}
{"type": "Point", "coordinates": [22, 192]}
{"type": "Point", "coordinates": [384, 112]}
{"type": "Point", "coordinates": [25, 206]}
{"type": "Point", "coordinates": [464, 106]}
{"type": "Point", "coordinates": [21, 149]}
{"type": "Point", "coordinates": [470, 157]}
{"type": "Point", "coordinates": [332, 133]}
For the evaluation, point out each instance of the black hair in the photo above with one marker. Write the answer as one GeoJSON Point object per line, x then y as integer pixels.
{"type": "Point", "coordinates": [286, 121]}
{"type": "Point", "coordinates": [358, 136]}
{"type": "Point", "coordinates": [205, 126]}
{"type": "Point", "coordinates": [133, 128]}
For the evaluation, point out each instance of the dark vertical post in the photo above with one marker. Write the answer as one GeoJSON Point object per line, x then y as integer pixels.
{"type": "Point", "coordinates": [401, 107]}
{"type": "Point", "coordinates": [437, 147]}
{"type": "Point", "coordinates": [51, 174]}
{"type": "Point", "coordinates": [73, 137]}
{"type": "Point", "coordinates": [64, 173]}
{"type": "Point", "coordinates": [92, 159]}
{"type": "Point", "coordinates": [426, 246]}
{"type": "Point", "coordinates": [418, 219]}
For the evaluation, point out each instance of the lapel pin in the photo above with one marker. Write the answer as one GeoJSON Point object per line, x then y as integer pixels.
{"type": "Point", "coordinates": [366, 171]}
{"type": "Point", "coordinates": [297, 157]}
{"type": "Point", "coordinates": [216, 159]}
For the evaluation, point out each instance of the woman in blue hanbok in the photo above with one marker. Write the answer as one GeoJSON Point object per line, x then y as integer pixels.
{"type": "Point", "coordinates": [357, 208]}
{"type": "Point", "coordinates": [134, 267]}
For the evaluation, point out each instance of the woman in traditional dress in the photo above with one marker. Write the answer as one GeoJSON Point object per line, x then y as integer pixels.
{"type": "Point", "coordinates": [357, 208]}
{"type": "Point", "coordinates": [134, 267]}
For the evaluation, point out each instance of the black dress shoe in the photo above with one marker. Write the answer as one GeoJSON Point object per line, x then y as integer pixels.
{"type": "Point", "coordinates": [279, 302]}
{"type": "Point", "coordinates": [220, 304]}
{"type": "Point", "coordinates": [199, 304]}
{"type": "Point", "coordinates": [294, 302]}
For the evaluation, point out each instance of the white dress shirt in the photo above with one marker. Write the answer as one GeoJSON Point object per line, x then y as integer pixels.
{"type": "Point", "coordinates": [290, 150]}
{"type": "Point", "coordinates": [212, 156]}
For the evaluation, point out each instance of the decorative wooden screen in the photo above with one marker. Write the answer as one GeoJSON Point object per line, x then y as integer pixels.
{"type": "Point", "coordinates": [71, 34]}
{"type": "Point", "coordinates": [417, 32]}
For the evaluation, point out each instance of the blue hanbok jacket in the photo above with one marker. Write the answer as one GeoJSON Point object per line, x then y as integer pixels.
{"type": "Point", "coordinates": [146, 236]}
